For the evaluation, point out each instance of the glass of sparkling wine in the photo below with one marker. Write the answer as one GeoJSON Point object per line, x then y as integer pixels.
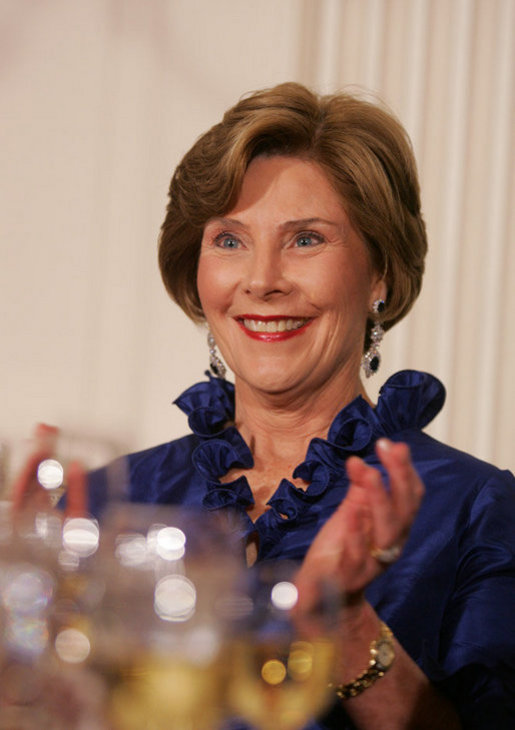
{"type": "Point", "coordinates": [281, 661]}
{"type": "Point", "coordinates": [160, 630]}
{"type": "Point", "coordinates": [36, 472]}
{"type": "Point", "coordinates": [47, 592]}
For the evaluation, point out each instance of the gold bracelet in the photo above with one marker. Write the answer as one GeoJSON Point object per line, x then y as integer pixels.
{"type": "Point", "coordinates": [382, 654]}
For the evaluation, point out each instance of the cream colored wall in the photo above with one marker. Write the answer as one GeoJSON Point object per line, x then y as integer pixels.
{"type": "Point", "coordinates": [99, 100]}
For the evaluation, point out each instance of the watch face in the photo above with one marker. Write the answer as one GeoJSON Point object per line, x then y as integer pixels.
{"type": "Point", "coordinates": [384, 653]}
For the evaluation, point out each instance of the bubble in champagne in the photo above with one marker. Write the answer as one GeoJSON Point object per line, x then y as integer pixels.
{"type": "Point", "coordinates": [175, 597]}
{"type": "Point", "coordinates": [48, 528]}
{"type": "Point", "coordinates": [300, 661]}
{"type": "Point", "coordinates": [68, 561]}
{"type": "Point", "coordinates": [170, 543]}
{"type": "Point", "coordinates": [284, 595]}
{"type": "Point", "coordinates": [273, 672]}
{"type": "Point", "coordinates": [234, 606]}
{"type": "Point", "coordinates": [202, 644]}
{"type": "Point", "coordinates": [50, 474]}
{"type": "Point", "coordinates": [72, 646]}
{"type": "Point", "coordinates": [26, 590]}
{"type": "Point", "coordinates": [81, 536]}
{"type": "Point", "coordinates": [131, 550]}
{"type": "Point", "coordinates": [26, 635]}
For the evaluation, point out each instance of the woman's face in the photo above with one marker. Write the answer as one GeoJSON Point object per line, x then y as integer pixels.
{"type": "Point", "coordinates": [286, 283]}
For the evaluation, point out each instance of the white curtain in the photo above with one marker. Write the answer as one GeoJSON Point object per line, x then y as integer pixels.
{"type": "Point", "coordinates": [100, 99]}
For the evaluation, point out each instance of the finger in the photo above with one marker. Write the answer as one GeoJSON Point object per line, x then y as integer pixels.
{"type": "Point", "coordinates": [386, 527]}
{"type": "Point", "coordinates": [406, 487]}
{"type": "Point", "coordinates": [26, 483]}
{"type": "Point", "coordinates": [367, 481]}
{"type": "Point", "coordinates": [76, 495]}
{"type": "Point", "coordinates": [324, 553]}
{"type": "Point", "coordinates": [46, 436]}
{"type": "Point", "coordinates": [357, 471]}
{"type": "Point", "coordinates": [331, 560]}
{"type": "Point", "coordinates": [340, 552]}
{"type": "Point", "coordinates": [393, 511]}
{"type": "Point", "coordinates": [357, 570]}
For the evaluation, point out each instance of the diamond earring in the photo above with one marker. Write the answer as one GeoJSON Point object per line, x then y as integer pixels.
{"type": "Point", "coordinates": [372, 359]}
{"type": "Point", "coordinates": [215, 362]}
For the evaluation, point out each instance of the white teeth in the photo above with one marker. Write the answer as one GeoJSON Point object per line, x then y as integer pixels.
{"type": "Point", "coordinates": [278, 325]}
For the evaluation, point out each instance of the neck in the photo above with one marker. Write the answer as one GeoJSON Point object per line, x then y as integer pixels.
{"type": "Point", "coordinates": [279, 426]}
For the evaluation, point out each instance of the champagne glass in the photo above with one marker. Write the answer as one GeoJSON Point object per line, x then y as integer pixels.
{"type": "Point", "coordinates": [160, 630]}
{"type": "Point", "coordinates": [35, 472]}
{"type": "Point", "coordinates": [45, 590]}
{"type": "Point", "coordinates": [47, 585]}
{"type": "Point", "coordinates": [281, 659]}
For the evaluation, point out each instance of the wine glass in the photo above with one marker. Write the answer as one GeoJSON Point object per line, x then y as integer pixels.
{"type": "Point", "coordinates": [160, 631]}
{"type": "Point", "coordinates": [281, 659]}
{"type": "Point", "coordinates": [36, 472]}
{"type": "Point", "coordinates": [46, 590]}
{"type": "Point", "coordinates": [48, 585]}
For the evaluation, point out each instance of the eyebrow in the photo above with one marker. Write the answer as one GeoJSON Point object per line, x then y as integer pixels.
{"type": "Point", "coordinates": [296, 223]}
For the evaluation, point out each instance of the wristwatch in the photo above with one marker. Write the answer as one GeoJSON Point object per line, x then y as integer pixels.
{"type": "Point", "coordinates": [382, 655]}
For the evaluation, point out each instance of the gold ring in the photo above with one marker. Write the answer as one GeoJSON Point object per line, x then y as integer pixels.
{"type": "Point", "coordinates": [386, 555]}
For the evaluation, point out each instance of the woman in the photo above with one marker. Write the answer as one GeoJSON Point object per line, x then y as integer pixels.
{"type": "Point", "coordinates": [294, 229]}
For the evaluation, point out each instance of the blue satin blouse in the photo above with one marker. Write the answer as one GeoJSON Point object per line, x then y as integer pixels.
{"type": "Point", "coordinates": [450, 599]}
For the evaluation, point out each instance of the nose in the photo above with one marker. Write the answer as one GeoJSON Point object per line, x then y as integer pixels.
{"type": "Point", "coordinates": [265, 277]}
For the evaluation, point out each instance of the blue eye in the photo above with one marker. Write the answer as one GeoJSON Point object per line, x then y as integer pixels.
{"type": "Point", "coordinates": [306, 240]}
{"type": "Point", "coordinates": [226, 241]}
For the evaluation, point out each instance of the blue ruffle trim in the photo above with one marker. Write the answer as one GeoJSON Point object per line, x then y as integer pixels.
{"type": "Point", "coordinates": [409, 399]}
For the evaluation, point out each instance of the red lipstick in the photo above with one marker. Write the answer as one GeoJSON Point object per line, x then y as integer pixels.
{"type": "Point", "coordinates": [278, 336]}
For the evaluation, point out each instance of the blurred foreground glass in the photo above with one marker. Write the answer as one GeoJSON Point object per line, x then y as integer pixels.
{"type": "Point", "coordinates": [47, 591]}
{"type": "Point", "coordinates": [160, 633]}
{"type": "Point", "coordinates": [151, 621]}
{"type": "Point", "coordinates": [281, 660]}
{"type": "Point", "coordinates": [49, 585]}
{"type": "Point", "coordinates": [35, 472]}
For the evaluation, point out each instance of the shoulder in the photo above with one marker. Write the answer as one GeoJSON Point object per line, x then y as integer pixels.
{"type": "Point", "coordinates": [161, 454]}
{"type": "Point", "coordinates": [468, 510]}
{"type": "Point", "coordinates": [160, 469]}
{"type": "Point", "coordinates": [408, 402]}
{"type": "Point", "coordinates": [156, 474]}
{"type": "Point", "coordinates": [438, 462]}
{"type": "Point", "coordinates": [466, 498]}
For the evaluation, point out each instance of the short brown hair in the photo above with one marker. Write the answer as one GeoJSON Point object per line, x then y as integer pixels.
{"type": "Point", "coordinates": [361, 146]}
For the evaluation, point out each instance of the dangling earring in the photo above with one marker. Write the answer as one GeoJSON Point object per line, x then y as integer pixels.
{"type": "Point", "coordinates": [215, 362]}
{"type": "Point", "coordinates": [372, 359]}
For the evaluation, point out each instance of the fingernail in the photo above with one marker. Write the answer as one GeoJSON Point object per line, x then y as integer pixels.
{"type": "Point", "coordinates": [384, 444]}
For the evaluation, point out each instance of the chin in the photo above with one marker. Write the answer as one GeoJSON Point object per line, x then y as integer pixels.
{"type": "Point", "coordinates": [271, 380]}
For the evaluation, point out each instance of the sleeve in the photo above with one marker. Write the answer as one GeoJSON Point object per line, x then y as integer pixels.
{"type": "Point", "coordinates": [478, 632]}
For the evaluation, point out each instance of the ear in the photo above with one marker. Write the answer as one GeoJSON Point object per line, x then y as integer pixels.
{"type": "Point", "coordinates": [379, 291]}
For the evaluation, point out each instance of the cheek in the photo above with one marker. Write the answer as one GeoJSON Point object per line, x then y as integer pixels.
{"type": "Point", "coordinates": [208, 284]}
{"type": "Point", "coordinates": [216, 282]}
{"type": "Point", "coordinates": [340, 287]}
{"type": "Point", "coordinates": [202, 281]}
{"type": "Point", "coordinates": [347, 299]}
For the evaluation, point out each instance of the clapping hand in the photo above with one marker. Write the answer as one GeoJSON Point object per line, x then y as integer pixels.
{"type": "Point", "coordinates": [369, 528]}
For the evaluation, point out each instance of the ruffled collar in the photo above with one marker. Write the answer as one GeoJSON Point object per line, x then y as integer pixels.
{"type": "Point", "coordinates": [408, 400]}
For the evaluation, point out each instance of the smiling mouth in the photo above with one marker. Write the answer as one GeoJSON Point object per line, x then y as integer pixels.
{"type": "Point", "coordinates": [273, 329]}
{"type": "Point", "coordinates": [273, 326]}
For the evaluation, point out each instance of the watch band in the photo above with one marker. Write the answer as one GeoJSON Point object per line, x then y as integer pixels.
{"type": "Point", "coordinates": [376, 668]}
